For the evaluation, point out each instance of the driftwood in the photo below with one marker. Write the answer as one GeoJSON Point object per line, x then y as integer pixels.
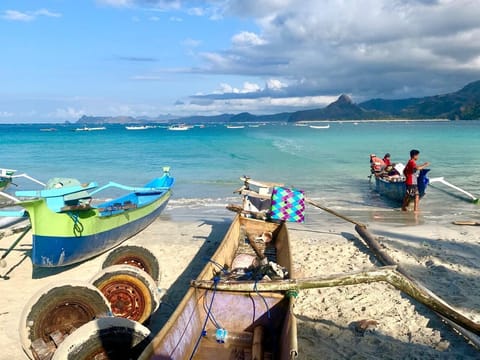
{"type": "Point", "coordinates": [466, 222]}
{"type": "Point", "coordinates": [351, 278]}
{"type": "Point", "coordinates": [389, 274]}
{"type": "Point", "coordinates": [417, 291]}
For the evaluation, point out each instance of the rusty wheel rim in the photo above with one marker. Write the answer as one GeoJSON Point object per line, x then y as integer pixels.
{"type": "Point", "coordinates": [126, 298]}
{"type": "Point", "coordinates": [134, 261]}
{"type": "Point", "coordinates": [63, 317]}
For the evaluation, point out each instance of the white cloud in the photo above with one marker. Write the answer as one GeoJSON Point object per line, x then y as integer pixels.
{"type": "Point", "coordinates": [15, 15]}
{"type": "Point", "coordinates": [368, 48]}
{"type": "Point", "coordinates": [275, 84]}
{"type": "Point", "coordinates": [246, 38]}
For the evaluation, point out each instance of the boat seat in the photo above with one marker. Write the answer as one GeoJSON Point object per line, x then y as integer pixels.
{"type": "Point", "coordinates": [60, 192]}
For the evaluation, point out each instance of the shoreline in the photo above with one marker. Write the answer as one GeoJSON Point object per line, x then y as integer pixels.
{"type": "Point", "coordinates": [442, 257]}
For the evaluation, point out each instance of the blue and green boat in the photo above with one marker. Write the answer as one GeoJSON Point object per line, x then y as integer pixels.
{"type": "Point", "coordinates": [69, 226]}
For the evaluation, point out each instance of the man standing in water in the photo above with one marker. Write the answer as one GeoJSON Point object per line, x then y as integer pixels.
{"type": "Point", "coordinates": [411, 175]}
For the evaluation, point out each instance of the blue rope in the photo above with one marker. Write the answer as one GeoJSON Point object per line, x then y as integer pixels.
{"type": "Point", "coordinates": [210, 315]}
{"type": "Point", "coordinates": [265, 301]}
{"type": "Point", "coordinates": [222, 269]}
{"type": "Point", "coordinates": [204, 333]}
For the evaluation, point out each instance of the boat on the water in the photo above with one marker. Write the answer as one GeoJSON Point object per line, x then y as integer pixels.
{"type": "Point", "coordinates": [179, 127]}
{"type": "Point", "coordinates": [235, 126]}
{"type": "Point", "coordinates": [320, 126]}
{"type": "Point", "coordinates": [138, 127]}
{"type": "Point", "coordinates": [86, 128]}
{"type": "Point", "coordinates": [390, 182]}
{"type": "Point", "coordinates": [69, 226]}
{"type": "Point", "coordinates": [223, 324]}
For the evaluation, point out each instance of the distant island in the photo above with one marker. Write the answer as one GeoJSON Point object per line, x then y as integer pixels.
{"type": "Point", "coordinates": [460, 105]}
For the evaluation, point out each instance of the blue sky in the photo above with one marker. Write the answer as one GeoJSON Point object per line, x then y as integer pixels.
{"type": "Point", "coordinates": [62, 58]}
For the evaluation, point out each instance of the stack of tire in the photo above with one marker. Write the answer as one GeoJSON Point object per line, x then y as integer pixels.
{"type": "Point", "coordinates": [100, 319]}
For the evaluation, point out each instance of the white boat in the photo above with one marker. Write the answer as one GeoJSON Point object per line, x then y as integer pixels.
{"type": "Point", "coordinates": [138, 127]}
{"type": "Point", "coordinates": [179, 127]}
{"type": "Point", "coordinates": [235, 126]}
{"type": "Point", "coordinates": [320, 126]}
{"type": "Point", "coordinates": [86, 128]}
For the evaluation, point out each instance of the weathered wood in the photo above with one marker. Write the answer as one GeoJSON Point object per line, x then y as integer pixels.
{"type": "Point", "coordinates": [257, 344]}
{"type": "Point", "coordinates": [239, 210]}
{"type": "Point", "coordinates": [402, 281]}
{"type": "Point", "coordinates": [351, 278]}
{"type": "Point", "coordinates": [466, 222]}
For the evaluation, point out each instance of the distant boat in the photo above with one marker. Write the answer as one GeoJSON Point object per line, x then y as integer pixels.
{"type": "Point", "coordinates": [179, 127]}
{"type": "Point", "coordinates": [138, 127]}
{"type": "Point", "coordinates": [300, 124]}
{"type": "Point", "coordinates": [48, 129]}
{"type": "Point", "coordinates": [235, 126]}
{"type": "Point", "coordinates": [86, 128]}
{"type": "Point", "coordinates": [320, 126]}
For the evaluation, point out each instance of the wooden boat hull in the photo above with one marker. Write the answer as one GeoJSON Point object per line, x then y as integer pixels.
{"type": "Point", "coordinates": [395, 190]}
{"type": "Point", "coordinates": [240, 313]}
{"type": "Point", "coordinates": [68, 237]}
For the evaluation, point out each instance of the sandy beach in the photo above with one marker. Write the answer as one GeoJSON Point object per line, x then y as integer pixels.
{"type": "Point", "coordinates": [443, 258]}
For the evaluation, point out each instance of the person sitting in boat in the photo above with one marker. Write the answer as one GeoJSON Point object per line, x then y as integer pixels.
{"type": "Point", "coordinates": [386, 160]}
{"type": "Point", "coordinates": [377, 164]}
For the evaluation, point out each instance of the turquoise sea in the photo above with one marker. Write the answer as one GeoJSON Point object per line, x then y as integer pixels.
{"type": "Point", "coordinates": [330, 165]}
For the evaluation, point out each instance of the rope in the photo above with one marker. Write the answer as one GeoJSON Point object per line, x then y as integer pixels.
{"type": "Point", "coordinates": [204, 333]}
{"type": "Point", "coordinates": [222, 269]}
{"type": "Point", "coordinates": [77, 225]}
{"type": "Point", "coordinates": [261, 296]}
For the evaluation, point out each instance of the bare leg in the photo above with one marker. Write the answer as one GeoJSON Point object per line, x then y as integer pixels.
{"type": "Point", "coordinates": [406, 201]}
{"type": "Point", "coordinates": [417, 200]}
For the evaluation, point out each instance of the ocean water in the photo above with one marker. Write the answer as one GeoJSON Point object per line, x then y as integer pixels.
{"type": "Point", "coordinates": [330, 165]}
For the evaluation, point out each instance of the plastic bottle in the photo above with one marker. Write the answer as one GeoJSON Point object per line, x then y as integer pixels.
{"type": "Point", "coordinates": [230, 338]}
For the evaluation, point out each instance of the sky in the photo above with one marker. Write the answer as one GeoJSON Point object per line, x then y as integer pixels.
{"type": "Point", "coordinates": [61, 59]}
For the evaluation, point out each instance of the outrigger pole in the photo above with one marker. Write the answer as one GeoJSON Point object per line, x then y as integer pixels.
{"type": "Point", "coordinates": [445, 182]}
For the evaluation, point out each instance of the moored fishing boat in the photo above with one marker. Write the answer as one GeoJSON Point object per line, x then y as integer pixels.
{"type": "Point", "coordinates": [394, 188]}
{"type": "Point", "coordinates": [390, 181]}
{"type": "Point", "coordinates": [224, 324]}
{"type": "Point", "coordinates": [69, 227]}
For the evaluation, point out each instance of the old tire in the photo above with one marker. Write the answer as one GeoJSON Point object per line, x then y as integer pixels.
{"type": "Point", "coordinates": [57, 310]}
{"type": "Point", "coordinates": [131, 292]}
{"type": "Point", "coordinates": [106, 338]}
{"type": "Point", "coordinates": [137, 256]}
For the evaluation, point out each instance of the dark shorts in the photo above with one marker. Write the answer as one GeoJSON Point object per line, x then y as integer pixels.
{"type": "Point", "coordinates": [412, 190]}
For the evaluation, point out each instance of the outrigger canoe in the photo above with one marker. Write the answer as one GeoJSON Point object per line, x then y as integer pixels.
{"type": "Point", "coordinates": [68, 227]}
{"type": "Point", "coordinates": [222, 324]}
{"type": "Point", "coordinates": [394, 188]}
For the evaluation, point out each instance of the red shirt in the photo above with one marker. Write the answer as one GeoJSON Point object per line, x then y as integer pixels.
{"type": "Point", "coordinates": [387, 161]}
{"type": "Point", "coordinates": [409, 172]}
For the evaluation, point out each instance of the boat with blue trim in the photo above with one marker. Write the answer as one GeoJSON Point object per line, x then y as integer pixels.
{"type": "Point", "coordinates": [390, 182]}
{"type": "Point", "coordinates": [68, 226]}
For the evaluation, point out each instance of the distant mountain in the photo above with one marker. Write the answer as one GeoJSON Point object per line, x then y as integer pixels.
{"type": "Point", "coordinates": [342, 109]}
{"type": "Point", "coordinates": [108, 120]}
{"type": "Point", "coordinates": [463, 104]}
